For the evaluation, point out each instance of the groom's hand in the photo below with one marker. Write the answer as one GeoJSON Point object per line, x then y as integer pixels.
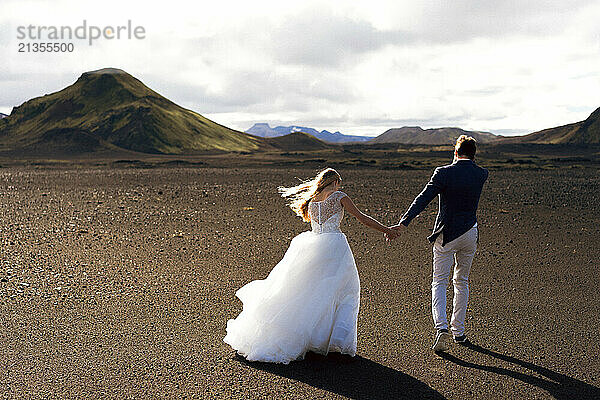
{"type": "Point", "coordinates": [398, 228]}
{"type": "Point", "coordinates": [391, 234]}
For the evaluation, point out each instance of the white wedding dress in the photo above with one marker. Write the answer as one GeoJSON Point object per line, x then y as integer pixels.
{"type": "Point", "coordinates": [309, 301]}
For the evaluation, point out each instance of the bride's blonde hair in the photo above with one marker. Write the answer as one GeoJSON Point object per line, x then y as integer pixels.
{"type": "Point", "coordinates": [302, 194]}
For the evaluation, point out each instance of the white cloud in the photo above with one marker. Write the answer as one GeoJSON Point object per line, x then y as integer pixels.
{"type": "Point", "coordinates": [357, 66]}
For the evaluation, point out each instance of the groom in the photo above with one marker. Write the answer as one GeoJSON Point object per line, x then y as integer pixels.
{"type": "Point", "coordinates": [454, 236]}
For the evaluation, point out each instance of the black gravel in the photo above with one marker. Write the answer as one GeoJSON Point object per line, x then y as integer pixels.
{"type": "Point", "coordinates": [118, 283]}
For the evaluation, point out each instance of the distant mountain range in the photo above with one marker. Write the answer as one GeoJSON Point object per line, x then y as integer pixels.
{"type": "Point", "coordinates": [434, 136]}
{"type": "Point", "coordinates": [405, 135]}
{"type": "Point", "coordinates": [582, 132]}
{"type": "Point", "coordinates": [264, 130]}
{"type": "Point", "coordinates": [110, 110]}
{"type": "Point", "coordinates": [3, 115]}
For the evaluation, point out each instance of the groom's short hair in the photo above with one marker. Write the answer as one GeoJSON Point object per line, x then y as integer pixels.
{"type": "Point", "coordinates": [466, 146]}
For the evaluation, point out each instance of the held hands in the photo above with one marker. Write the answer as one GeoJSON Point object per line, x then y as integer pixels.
{"type": "Point", "coordinates": [394, 232]}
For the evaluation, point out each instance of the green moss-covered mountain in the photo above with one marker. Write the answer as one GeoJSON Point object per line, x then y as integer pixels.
{"type": "Point", "coordinates": [109, 110]}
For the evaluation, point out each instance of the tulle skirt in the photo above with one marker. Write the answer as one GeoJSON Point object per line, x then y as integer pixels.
{"type": "Point", "coordinates": [309, 302]}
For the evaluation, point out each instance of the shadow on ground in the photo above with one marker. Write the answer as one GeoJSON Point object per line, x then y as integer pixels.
{"type": "Point", "coordinates": [353, 377]}
{"type": "Point", "coordinates": [558, 385]}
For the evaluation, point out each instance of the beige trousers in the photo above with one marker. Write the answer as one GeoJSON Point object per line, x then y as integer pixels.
{"type": "Point", "coordinates": [457, 257]}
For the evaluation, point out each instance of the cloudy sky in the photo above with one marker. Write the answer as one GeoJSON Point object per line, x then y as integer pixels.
{"type": "Point", "coordinates": [360, 67]}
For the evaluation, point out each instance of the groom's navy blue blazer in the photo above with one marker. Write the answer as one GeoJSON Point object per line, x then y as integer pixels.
{"type": "Point", "coordinates": [459, 187]}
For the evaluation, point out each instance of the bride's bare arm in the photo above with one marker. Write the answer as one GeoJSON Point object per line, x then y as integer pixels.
{"type": "Point", "coordinates": [363, 218]}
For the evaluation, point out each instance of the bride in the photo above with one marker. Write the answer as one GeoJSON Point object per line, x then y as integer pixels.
{"type": "Point", "coordinates": [310, 300]}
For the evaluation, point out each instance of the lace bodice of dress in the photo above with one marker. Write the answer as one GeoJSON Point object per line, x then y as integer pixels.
{"type": "Point", "coordinates": [326, 215]}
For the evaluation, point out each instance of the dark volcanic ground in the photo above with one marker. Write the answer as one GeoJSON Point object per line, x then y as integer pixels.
{"type": "Point", "coordinates": [118, 283]}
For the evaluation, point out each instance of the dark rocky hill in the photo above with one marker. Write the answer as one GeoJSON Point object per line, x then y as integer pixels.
{"type": "Point", "coordinates": [297, 141]}
{"type": "Point", "coordinates": [434, 136]}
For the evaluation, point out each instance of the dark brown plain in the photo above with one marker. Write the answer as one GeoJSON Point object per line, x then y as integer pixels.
{"type": "Point", "coordinates": [117, 281]}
